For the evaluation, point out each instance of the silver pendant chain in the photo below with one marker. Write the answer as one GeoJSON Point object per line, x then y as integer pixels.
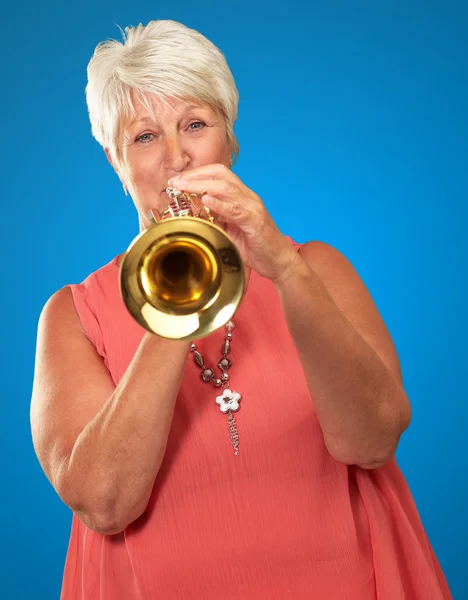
{"type": "Point", "coordinates": [229, 401]}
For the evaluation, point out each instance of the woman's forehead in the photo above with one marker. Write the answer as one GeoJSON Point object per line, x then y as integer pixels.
{"type": "Point", "coordinates": [152, 107]}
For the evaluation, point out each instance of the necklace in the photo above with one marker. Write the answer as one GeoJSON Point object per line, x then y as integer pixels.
{"type": "Point", "coordinates": [228, 401]}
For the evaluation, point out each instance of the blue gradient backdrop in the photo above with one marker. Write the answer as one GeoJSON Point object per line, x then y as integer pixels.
{"type": "Point", "coordinates": [353, 129]}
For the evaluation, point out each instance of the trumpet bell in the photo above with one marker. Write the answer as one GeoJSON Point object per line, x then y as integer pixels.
{"type": "Point", "coordinates": [182, 278]}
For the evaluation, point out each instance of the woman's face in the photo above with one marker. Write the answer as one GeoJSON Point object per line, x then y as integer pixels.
{"type": "Point", "coordinates": [159, 144]}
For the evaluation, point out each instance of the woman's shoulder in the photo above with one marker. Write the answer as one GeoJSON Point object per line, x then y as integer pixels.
{"type": "Point", "coordinates": [100, 278]}
{"type": "Point", "coordinates": [108, 268]}
{"type": "Point", "coordinates": [70, 297]}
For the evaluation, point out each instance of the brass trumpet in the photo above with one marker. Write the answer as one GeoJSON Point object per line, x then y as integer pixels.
{"type": "Point", "coordinates": [183, 277]}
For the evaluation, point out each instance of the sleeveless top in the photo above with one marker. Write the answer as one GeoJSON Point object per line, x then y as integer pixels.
{"type": "Point", "coordinates": [283, 520]}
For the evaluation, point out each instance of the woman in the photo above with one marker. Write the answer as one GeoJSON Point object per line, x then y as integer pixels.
{"type": "Point", "coordinates": [310, 502]}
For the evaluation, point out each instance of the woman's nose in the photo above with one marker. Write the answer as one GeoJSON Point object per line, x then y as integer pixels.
{"type": "Point", "coordinates": [175, 156]}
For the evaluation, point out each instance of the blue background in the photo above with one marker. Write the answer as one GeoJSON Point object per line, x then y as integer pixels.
{"type": "Point", "coordinates": [352, 128]}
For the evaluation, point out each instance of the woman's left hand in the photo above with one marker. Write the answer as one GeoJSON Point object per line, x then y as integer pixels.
{"type": "Point", "coordinates": [261, 244]}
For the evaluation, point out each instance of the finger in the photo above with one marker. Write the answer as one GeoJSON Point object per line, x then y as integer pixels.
{"type": "Point", "coordinates": [218, 188]}
{"type": "Point", "coordinates": [230, 211]}
{"type": "Point", "coordinates": [213, 171]}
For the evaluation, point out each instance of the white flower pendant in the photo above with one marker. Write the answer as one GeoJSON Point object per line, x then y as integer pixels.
{"type": "Point", "coordinates": [229, 401]}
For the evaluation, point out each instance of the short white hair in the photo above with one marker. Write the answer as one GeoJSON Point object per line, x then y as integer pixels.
{"type": "Point", "coordinates": [163, 58]}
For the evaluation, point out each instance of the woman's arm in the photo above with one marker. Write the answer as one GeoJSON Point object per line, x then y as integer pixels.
{"type": "Point", "coordinates": [348, 357]}
{"type": "Point", "coordinates": [101, 446]}
{"type": "Point", "coordinates": [347, 354]}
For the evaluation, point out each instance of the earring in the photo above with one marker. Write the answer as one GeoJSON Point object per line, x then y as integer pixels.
{"type": "Point", "coordinates": [125, 189]}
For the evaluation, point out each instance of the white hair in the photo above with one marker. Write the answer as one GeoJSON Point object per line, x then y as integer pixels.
{"type": "Point", "coordinates": [163, 58]}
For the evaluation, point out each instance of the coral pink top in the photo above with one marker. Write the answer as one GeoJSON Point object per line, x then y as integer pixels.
{"type": "Point", "coordinates": [283, 520]}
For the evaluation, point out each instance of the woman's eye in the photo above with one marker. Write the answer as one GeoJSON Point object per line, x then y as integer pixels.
{"type": "Point", "coordinates": [196, 125]}
{"type": "Point", "coordinates": [146, 137]}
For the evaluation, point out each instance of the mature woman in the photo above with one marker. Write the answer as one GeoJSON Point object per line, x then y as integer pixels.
{"type": "Point", "coordinates": [309, 503]}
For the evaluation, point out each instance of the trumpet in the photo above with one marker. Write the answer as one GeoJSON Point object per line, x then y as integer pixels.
{"type": "Point", "coordinates": [182, 278]}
